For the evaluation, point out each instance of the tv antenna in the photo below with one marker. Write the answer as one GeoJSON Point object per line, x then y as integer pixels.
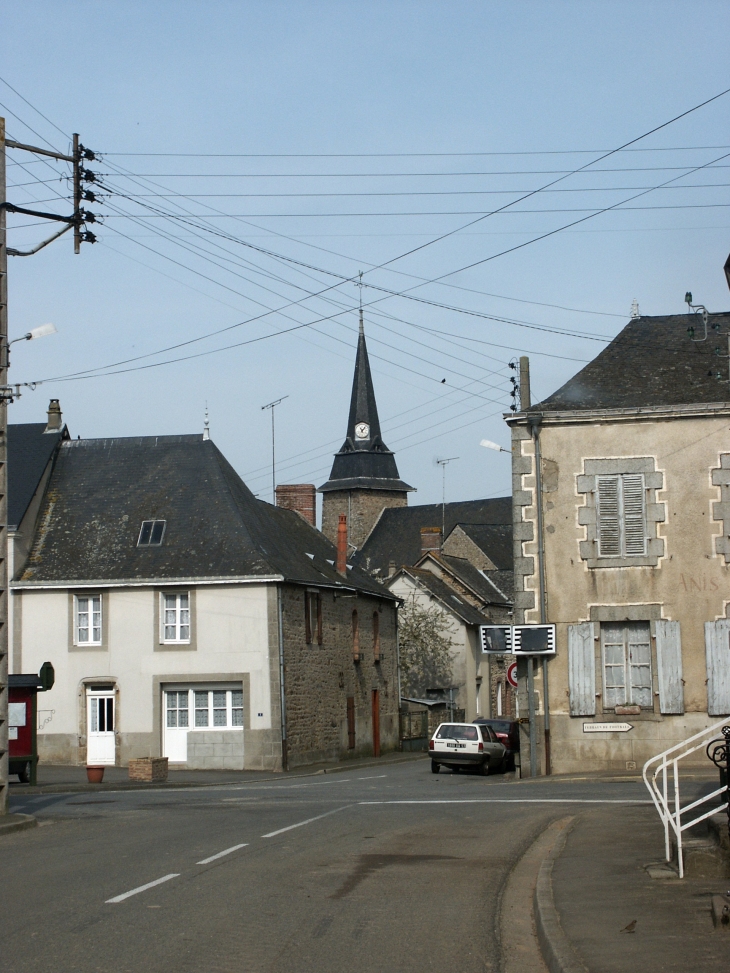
{"type": "Point", "coordinates": [272, 406]}
{"type": "Point", "coordinates": [443, 463]}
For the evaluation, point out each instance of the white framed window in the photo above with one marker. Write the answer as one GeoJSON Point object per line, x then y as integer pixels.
{"type": "Point", "coordinates": [215, 709]}
{"type": "Point", "coordinates": [87, 619]}
{"type": "Point", "coordinates": [627, 678]}
{"type": "Point", "coordinates": [177, 709]}
{"type": "Point", "coordinates": [175, 617]}
{"type": "Point", "coordinates": [621, 515]}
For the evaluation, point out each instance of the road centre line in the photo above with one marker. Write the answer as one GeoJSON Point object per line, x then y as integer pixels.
{"type": "Point", "coordinates": [143, 888]}
{"type": "Point", "coordinates": [515, 800]}
{"type": "Point", "coordinates": [300, 824]}
{"type": "Point", "coordinates": [376, 777]}
{"type": "Point", "coordinates": [228, 851]}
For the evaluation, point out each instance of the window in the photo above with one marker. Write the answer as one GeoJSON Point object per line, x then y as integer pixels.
{"type": "Point", "coordinates": [87, 624]}
{"type": "Point", "coordinates": [102, 714]}
{"type": "Point", "coordinates": [151, 533]}
{"type": "Point", "coordinates": [176, 617]}
{"type": "Point", "coordinates": [355, 637]}
{"type": "Point", "coordinates": [313, 616]}
{"type": "Point", "coordinates": [177, 709]}
{"type": "Point", "coordinates": [376, 637]}
{"type": "Point", "coordinates": [215, 709]}
{"type": "Point", "coordinates": [621, 517]}
{"type": "Point", "coordinates": [626, 664]}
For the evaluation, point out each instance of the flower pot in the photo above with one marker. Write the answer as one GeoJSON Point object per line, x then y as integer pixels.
{"type": "Point", "coordinates": [95, 775]}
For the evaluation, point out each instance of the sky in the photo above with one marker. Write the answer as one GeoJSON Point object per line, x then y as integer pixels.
{"type": "Point", "coordinates": [254, 158]}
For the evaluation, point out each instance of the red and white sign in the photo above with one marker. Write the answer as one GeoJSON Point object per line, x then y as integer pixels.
{"type": "Point", "coordinates": [512, 674]}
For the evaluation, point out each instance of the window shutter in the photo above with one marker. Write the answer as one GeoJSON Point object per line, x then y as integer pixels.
{"type": "Point", "coordinates": [634, 516]}
{"type": "Point", "coordinates": [669, 667]}
{"type": "Point", "coordinates": [582, 669]}
{"type": "Point", "coordinates": [717, 652]}
{"type": "Point", "coordinates": [609, 534]}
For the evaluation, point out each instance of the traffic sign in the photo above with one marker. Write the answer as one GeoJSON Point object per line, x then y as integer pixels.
{"type": "Point", "coordinates": [512, 674]}
{"type": "Point", "coordinates": [607, 727]}
{"type": "Point", "coordinates": [533, 639]}
{"type": "Point", "coordinates": [496, 639]}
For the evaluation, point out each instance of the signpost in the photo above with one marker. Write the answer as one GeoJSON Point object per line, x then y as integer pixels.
{"type": "Point", "coordinates": [512, 674]}
{"type": "Point", "coordinates": [607, 727]}
{"type": "Point", "coordinates": [517, 639]}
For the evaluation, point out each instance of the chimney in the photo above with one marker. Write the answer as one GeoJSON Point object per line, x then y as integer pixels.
{"type": "Point", "coordinates": [430, 539]}
{"type": "Point", "coordinates": [299, 497]}
{"type": "Point", "coordinates": [391, 569]}
{"type": "Point", "coordinates": [525, 398]}
{"type": "Point", "coordinates": [342, 545]}
{"type": "Point", "coordinates": [55, 417]}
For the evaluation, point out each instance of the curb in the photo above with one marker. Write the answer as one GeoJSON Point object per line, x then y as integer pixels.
{"type": "Point", "coordinates": [16, 822]}
{"type": "Point", "coordinates": [122, 785]}
{"type": "Point", "coordinates": [557, 951]}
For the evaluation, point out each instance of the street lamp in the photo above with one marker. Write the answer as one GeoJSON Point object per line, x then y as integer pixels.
{"type": "Point", "coordinates": [495, 446]}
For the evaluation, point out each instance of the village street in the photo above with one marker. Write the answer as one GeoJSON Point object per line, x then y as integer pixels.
{"type": "Point", "coordinates": [362, 870]}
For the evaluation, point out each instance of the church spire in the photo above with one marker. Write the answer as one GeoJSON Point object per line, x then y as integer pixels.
{"type": "Point", "coordinates": [364, 463]}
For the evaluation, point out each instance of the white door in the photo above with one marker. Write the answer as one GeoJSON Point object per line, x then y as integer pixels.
{"type": "Point", "coordinates": [101, 723]}
{"type": "Point", "coordinates": [177, 724]}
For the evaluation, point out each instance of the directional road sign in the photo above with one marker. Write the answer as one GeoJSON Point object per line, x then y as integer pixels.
{"type": "Point", "coordinates": [607, 727]}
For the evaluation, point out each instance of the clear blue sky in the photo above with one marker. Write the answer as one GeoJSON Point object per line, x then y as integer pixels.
{"type": "Point", "coordinates": [343, 135]}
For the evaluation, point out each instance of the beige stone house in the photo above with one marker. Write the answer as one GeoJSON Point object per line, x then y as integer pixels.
{"type": "Point", "coordinates": [629, 551]}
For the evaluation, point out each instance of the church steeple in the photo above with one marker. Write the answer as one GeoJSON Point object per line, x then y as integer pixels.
{"type": "Point", "coordinates": [364, 473]}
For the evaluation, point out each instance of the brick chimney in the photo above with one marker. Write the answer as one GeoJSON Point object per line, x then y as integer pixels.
{"type": "Point", "coordinates": [430, 539]}
{"type": "Point", "coordinates": [299, 497]}
{"type": "Point", "coordinates": [342, 545]}
{"type": "Point", "coordinates": [55, 417]}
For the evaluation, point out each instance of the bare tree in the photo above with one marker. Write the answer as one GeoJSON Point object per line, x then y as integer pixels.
{"type": "Point", "coordinates": [425, 649]}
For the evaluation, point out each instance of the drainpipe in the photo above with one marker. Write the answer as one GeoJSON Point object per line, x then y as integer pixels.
{"type": "Point", "coordinates": [284, 752]}
{"type": "Point", "coordinates": [535, 423]}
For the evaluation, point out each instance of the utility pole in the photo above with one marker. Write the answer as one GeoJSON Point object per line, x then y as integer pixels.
{"type": "Point", "coordinates": [272, 406]}
{"type": "Point", "coordinates": [77, 221]}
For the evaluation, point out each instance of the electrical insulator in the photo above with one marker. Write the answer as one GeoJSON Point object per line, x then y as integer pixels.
{"type": "Point", "coordinates": [88, 176]}
{"type": "Point", "coordinates": [87, 216]}
{"type": "Point", "coordinates": [88, 196]}
{"type": "Point", "coordinates": [89, 237]}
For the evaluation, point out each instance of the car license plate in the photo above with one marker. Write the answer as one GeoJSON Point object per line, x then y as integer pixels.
{"type": "Point", "coordinates": [457, 746]}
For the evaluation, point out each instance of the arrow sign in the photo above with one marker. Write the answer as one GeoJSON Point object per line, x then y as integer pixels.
{"type": "Point", "coordinates": [607, 727]}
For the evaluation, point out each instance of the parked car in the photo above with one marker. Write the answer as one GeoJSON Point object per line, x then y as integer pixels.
{"type": "Point", "coordinates": [508, 734]}
{"type": "Point", "coordinates": [458, 745]}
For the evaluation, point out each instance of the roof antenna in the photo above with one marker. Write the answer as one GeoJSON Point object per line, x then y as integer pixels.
{"type": "Point", "coordinates": [700, 311]}
{"type": "Point", "coordinates": [206, 424]}
{"type": "Point", "coordinates": [635, 312]}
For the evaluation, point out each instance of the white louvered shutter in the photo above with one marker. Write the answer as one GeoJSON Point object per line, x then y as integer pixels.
{"type": "Point", "coordinates": [669, 667]}
{"type": "Point", "coordinates": [582, 669]}
{"type": "Point", "coordinates": [634, 516]}
{"type": "Point", "coordinates": [609, 528]}
{"type": "Point", "coordinates": [717, 653]}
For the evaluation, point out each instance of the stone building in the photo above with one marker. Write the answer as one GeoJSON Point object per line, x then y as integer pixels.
{"type": "Point", "coordinates": [634, 503]}
{"type": "Point", "coordinates": [364, 478]}
{"type": "Point", "coordinates": [188, 619]}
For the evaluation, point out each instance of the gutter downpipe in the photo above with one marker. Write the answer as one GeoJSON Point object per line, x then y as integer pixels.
{"type": "Point", "coordinates": [284, 752]}
{"type": "Point", "coordinates": [535, 423]}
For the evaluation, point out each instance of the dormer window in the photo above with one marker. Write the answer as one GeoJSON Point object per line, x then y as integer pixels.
{"type": "Point", "coordinates": [151, 533]}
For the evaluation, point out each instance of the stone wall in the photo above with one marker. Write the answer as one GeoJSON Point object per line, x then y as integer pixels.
{"type": "Point", "coordinates": [320, 678]}
{"type": "Point", "coordinates": [362, 509]}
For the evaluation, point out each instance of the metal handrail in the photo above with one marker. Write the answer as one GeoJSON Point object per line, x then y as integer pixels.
{"type": "Point", "coordinates": [672, 817]}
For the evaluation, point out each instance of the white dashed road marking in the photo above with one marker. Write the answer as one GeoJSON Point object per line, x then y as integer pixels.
{"type": "Point", "coordinates": [143, 888]}
{"type": "Point", "coordinates": [300, 824]}
{"type": "Point", "coordinates": [220, 854]}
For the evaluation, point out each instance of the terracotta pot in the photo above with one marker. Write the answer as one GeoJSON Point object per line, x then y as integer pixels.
{"type": "Point", "coordinates": [95, 775]}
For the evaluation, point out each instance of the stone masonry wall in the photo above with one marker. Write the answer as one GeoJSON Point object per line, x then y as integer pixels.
{"type": "Point", "coordinates": [362, 509]}
{"type": "Point", "coordinates": [320, 678]}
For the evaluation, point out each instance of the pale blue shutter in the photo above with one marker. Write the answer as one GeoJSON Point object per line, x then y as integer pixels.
{"type": "Point", "coordinates": [717, 653]}
{"type": "Point", "coordinates": [609, 529]}
{"type": "Point", "coordinates": [582, 669]}
{"type": "Point", "coordinates": [634, 517]}
{"type": "Point", "coordinates": [669, 667]}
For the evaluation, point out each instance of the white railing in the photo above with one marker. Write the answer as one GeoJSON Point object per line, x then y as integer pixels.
{"type": "Point", "coordinates": [669, 807]}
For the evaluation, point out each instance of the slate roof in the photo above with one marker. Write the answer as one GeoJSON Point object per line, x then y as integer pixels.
{"type": "Point", "coordinates": [29, 450]}
{"type": "Point", "coordinates": [652, 362]}
{"type": "Point", "coordinates": [473, 578]}
{"type": "Point", "coordinates": [364, 463]}
{"type": "Point", "coordinates": [102, 489]}
{"type": "Point", "coordinates": [447, 596]}
{"type": "Point", "coordinates": [397, 534]}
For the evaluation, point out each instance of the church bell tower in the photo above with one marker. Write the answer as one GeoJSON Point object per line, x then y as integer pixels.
{"type": "Point", "coordinates": [364, 477]}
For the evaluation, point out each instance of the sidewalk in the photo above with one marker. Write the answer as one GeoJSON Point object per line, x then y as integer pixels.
{"type": "Point", "coordinates": [66, 779]}
{"type": "Point", "coordinates": [617, 918]}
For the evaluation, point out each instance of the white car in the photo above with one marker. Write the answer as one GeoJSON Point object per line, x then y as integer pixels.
{"type": "Point", "coordinates": [458, 745]}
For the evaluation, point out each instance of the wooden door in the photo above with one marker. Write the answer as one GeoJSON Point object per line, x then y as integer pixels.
{"type": "Point", "coordinates": [376, 723]}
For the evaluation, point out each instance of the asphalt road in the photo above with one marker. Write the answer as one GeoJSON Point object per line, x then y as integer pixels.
{"type": "Point", "coordinates": [368, 870]}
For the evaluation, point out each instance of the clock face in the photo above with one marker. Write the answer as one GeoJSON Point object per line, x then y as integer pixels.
{"type": "Point", "coordinates": [362, 430]}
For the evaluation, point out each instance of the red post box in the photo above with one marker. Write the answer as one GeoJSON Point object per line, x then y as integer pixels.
{"type": "Point", "coordinates": [23, 720]}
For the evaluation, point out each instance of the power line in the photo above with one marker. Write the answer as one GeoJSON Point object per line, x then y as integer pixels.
{"type": "Point", "coordinates": [389, 155]}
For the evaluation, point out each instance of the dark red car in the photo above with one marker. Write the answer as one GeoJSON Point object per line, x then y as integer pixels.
{"type": "Point", "coordinates": [508, 734]}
